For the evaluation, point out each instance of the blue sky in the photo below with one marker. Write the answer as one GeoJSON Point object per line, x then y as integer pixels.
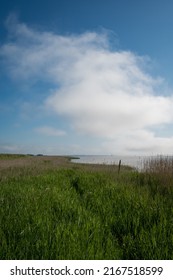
{"type": "Point", "coordinates": [86, 77]}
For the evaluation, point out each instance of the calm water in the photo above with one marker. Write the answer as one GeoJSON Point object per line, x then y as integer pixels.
{"type": "Point", "coordinates": [134, 161]}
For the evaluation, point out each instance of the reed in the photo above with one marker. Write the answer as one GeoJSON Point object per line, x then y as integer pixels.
{"type": "Point", "coordinates": [159, 172]}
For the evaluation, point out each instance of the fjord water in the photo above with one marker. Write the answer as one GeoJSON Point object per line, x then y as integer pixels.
{"type": "Point", "coordinates": [133, 161]}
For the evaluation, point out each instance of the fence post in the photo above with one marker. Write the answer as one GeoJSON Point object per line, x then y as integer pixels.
{"type": "Point", "coordinates": [119, 166]}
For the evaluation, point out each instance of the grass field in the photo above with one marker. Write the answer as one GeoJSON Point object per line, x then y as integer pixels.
{"type": "Point", "coordinates": [51, 208]}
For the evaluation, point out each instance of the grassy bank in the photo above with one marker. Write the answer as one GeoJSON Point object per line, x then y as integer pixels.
{"type": "Point", "coordinates": [72, 211]}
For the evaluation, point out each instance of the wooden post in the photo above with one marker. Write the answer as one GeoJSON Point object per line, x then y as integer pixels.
{"type": "Point", "coordinates": [119, 166]}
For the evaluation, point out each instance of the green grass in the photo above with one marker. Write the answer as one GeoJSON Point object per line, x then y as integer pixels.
{"type": "Point", "coordinates": [12, 156]}
{"type": "Point", "coordinates": [76, 213]}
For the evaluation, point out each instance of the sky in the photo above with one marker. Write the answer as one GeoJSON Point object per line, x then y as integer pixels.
{"type": "Point", "coordinates": [86, 77]}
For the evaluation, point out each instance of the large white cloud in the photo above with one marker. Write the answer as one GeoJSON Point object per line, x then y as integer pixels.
{"type": "Point", "coordinates": [102, 92]}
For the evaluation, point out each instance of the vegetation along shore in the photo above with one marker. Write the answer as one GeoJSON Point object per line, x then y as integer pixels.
{"type": "Point", "coordinates": [52, 208]}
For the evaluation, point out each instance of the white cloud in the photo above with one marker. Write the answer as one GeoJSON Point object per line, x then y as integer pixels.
{"type": "Point", "coordinates": [140, 142]}
{"type": "Point", "coordinates": [9, 148]}
{"type": "Point", "coordinates": [101, 92]}
{"type": "Point", "coordinates": [50, 131]}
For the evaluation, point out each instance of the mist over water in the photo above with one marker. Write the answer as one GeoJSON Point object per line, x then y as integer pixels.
{"type": "Point", "coordinates": [133, 161]}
